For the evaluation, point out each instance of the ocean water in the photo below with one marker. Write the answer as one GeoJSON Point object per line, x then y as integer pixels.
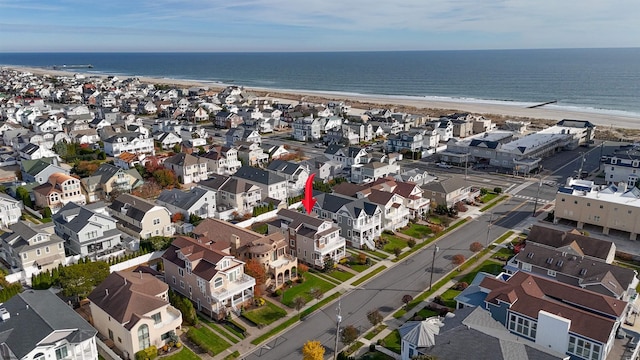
{"type": "Point", "coordinates": [599, 80]}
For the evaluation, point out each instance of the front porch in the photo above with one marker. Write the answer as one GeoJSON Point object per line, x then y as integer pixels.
{"type": "Point", "coordinates": [233, 295]}
{"type": "Point", "coordinates": [282, 270]}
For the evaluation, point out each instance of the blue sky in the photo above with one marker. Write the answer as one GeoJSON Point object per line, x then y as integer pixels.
{"type": "Point", "coordinates": [315, 25]}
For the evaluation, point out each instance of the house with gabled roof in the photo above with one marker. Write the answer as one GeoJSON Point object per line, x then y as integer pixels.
{"type": "Point", "coordinates": [233, 193]}
{"type": "Point", "coordinates": [132, 309]}
{"type": "Point", "coordinates": [222, 160]}
{"type": "Point", "coordinates": [10, 210]}
{"type": "Point", "coordinates": [557, 316]}
{"type": "Point", "coordinates": [312, 240]}
{"type": "Point", "coordinates": [270, 184]}
{"type": "Point", "coordinates": [134, 143]}
{"type": "Point", "coordinates": [168, 139]}
{"type": "Point", "coordinates": [109, 178]}
{"type": "Point", "coordinates": [570, 266]}
{"type": "Point", "coordinates": [347, 156]}
{"type": "Point", "coordinates": [296, 174]}
{"type": "Point", "coordinates": [58, 191]}
{"type": "Point", "coordinates": [141, 218]}
{"type": "Point", "coordinates": [202, 271]}
{"type": "Point", "coordinates": [33, 152]}
{"type": "Point", "coordinates": [307, 129]}
{"type": "Point", "coordinates": [188, 168]}
{"type": "Point", "coordinates": [243, 134]}
{"type": "Point", "coordinates": [360, 220]}
{"type": "Point", "coordinates": [272, 251]}
{"type": "Point", "coordinates": [198, 201]}
{"type": "Point", "coordinates": [37, 324]}
{"type": "Point", "coordinates": [87, 230]}
{"type": "Point", "coordinates": [30, 248]}
{"type": "Point", "coordinates": [448, 192]}
{"type": "Point", "coordinates": [573, 240]}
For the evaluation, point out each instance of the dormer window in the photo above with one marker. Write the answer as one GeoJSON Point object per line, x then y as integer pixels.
{"type": "Point", "coordinates": [218, 283]}
{"type": "Point", "coordinates": [614, 161]}
{"type": "Point", "coordinates": [635, 163]}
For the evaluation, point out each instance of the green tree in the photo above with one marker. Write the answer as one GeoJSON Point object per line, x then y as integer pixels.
{"type": "Point", "coordinates": [195, 220]}
{"type": "Point", "coordinates": [166, 178]}
{"type": "Point", "coordinates": [79, 279]}
{"type": "Point", "coordinates": [47, 212]}
{"type": "Point", "coordinates": [23, 194]}
{"type": "Point", "coordinates": [185, 306]}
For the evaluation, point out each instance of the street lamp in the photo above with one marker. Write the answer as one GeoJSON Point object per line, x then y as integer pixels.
{"type": "Point", "coordinates": [433, 261]}
{"type": "Point", "coordinates": [535, 205]}
{"type": "Point", "coordinates": [338, 321]}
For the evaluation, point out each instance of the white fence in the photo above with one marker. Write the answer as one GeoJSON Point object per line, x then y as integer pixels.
{"type": "Point", "coordinates": [266, 216]}
{"type": "Point", "coordinates": [136, 261]}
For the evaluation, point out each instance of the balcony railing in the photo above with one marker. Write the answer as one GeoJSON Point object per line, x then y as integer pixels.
{"type": "Point", "coordinates": [242, 283]}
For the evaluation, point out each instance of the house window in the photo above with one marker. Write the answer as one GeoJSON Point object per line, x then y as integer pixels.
{"type": "Point", "coordinates": [157, 319]}
{"type": "Point", "coordinates": [143, 336]}
{"type": "Point", "coordinates": [110, 334]}
{"type": "Point", "coordinates": [583, 348]}
{"type": "Point", "coordinates": [181, 271]}
{"type": "Point", "coordinates": [24, 256]}
{"type": "Point", "coordinates": [46, 249]}
{"type": "Point", "coordinates": [61, 353]}
{"type": "Point", "coordinates": [174, 280]}
{"type": "Point", "coordinates": [38, 356]}
{"type": "Point", "coordinates": [551, 273]}
{"type": "Point", "coordinates": [526, 267]}
{"type": "Point", "coordinates": [165, 336]}
{"type": "Point", "coordinates": [38, 252]}
{"type": "Point", "coordinates": [156, 221]}
{"type": "Point", "coordinates": [218, 283]}
{"type": "Point", "coordinates": [522, 326]}
{"type": "Point", "coordinates": [181, 284]}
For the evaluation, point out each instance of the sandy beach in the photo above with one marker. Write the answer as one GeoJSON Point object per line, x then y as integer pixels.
{"type": "Point", "coordinates": [602, 120]}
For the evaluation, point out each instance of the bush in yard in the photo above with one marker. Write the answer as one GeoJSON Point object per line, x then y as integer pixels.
{"type": "Point", "coordinates": [149, 353]}
{"type": "Point", "coordinates": [302, 268]}
{"type": "Point", "coordinates": [475, 246]}
{"type": "Point", "coordinates": [484, 191]}
{"type": "Point", "coordinates": [497, 190]}
{"type": "Point", "coordinates": [460, 286]}
{"type": "Point", "coordinates": [411, 243]}
{"type": "Point", "coordinates": [362, 258]}
{"type": "Point", "coordinates": [397, 251]}
{"type": "Point", "coordinates": [438, 300]}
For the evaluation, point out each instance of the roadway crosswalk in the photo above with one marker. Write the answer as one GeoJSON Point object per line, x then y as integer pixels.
{"type": "Point", "coordinates": [531, 198]}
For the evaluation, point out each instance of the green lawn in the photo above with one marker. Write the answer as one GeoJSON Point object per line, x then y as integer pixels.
{"type": "Point", "coordinates": [377, 254]}
{"type": "Point", "coordinates": [448, 296]}
{"type": "Point", "coordinates": [435, 220]}
{"type": "Point", "coordinates": [371, 334]}
{"type": "Point", "coordinates": [265, 314]}
{"type": "Point", "coordinates": [392, 341]}
{"type": "Point", "coordinates": [310, 281]}
{"type": "Point", "coordinates": [427, 313]}
{"type": "Point", "coordinates": [341, 276]}
{"type": "Point", "coordinates": [184, 354]}
{"type": "Point", "coordinates": [233, 355]}
{"type": "Point", "coordinates": [360, 268]}
{"type": "Point", "coordinates": [488, 266]}
{"type": "Point", "coordinates": [503, 253]}
{"type": "Point", "coordinates": [393, 242]}
{"type": "Point", "coordinates": [219, 330]}
{"type": "Point", "coordinates": [488, 197]}
{"type": "Point", "coordinates": [417, 231]}
{"type": "Point", "coordinates": [376, 355]}
{"type": "Point", "coordinates": [209, 339]}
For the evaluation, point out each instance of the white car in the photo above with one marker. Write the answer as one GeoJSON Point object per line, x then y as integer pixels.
{"type": "Point", "coordinates": [444, 165]}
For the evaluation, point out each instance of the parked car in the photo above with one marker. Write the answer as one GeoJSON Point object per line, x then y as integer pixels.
{"type": "Point", "coordinates": [444, 165]}
{"type": "Point", "coordinates": [319, 145]}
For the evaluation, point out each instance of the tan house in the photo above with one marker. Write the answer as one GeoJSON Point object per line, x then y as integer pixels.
{"type": "Point", "coordinates": [271, 251]}
{"type": "Point", "coordinates": [448, 192]}
{"type": "Point", "coordinates": [188, 168]}
{"type": "Point", "coordinates": [312, 240]}
{"type": "Point", "coordinates": [214, 280]}
{"type": "Point", "coordinates": [233, 193]}
{"type": "Point", "coordinates": [109, 178]}
{"type": "Point", "coordinates": [58, 191]}
{"type": "Point", "coordinates": [141, 218]}
{"type": "Point", "coordinates": [32, 248]}
{"type": "Point", "coordinates": [222, 160]}
{"type": "Point", "coordinates": [132, 309]}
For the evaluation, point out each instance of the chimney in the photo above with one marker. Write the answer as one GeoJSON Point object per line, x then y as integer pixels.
{"type": "Point", "coordinates": [235, 243]}
{"type": "Point", "coordinates": [140, 271]}
{"type": "Point", "coordinates": [106, 292]}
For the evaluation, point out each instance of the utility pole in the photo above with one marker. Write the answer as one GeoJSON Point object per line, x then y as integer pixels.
{"type": "Point", "coordinates": [486, 245]}
{"type": "Point", "coordinates": [433, 261]}
{"type": "Point", "coordinates": [466, 164]}
{"type": "Point", "coordinates": [535, 205]}
{"type": "Point", "coordinates": [338, 321]}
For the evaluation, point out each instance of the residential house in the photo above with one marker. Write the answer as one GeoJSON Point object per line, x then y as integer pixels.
{"type": "Point", "coordinates": [306, 129]}
{"type": "Point", "coordinates": [227, 120]}
{"type": "Point", "coordinates": [37, 324]}
{"type": "Point", "coordinates": [134, 143]}
{"type": "Point", "coordinates": [108, 179]}
{"type": "Point", "coordinates": [140, 218]}
{"type": "Point", "coordinates": [323, 169]}
{"type": "Point", "coordinates": [168, 140]}
{"type": "Point", "coordinates": [276, 152]}
{"type": "Point", "coordinates": [87, 230]}
{"type": "Point", "coordinates": [251, 154]}
{"type": "Point", "coordinates": [370, 172]}
{"type": "Point", "coordinates": [611, 207]}
{"type": "Point", "coordinates": [462, 128]}
{"type": "Point", "coordinates": [452, 337]}
{"type": "Point", "coordinates": [271, 185]}
{"type": "Point", "coordinates": [271, 251]}
{"type": "Point", "coordinates": [241, 134]}
{"type": "Point", "coordinates": [30, 248]}
{"type": "Point", "coordinates": [296, 175]}
{"type": "Point", "coordinates": [233, 194]}
{"type": "Point", "coordinates": [557, 316]}
{"type": "Point", "coordinates": [10, 210]}
{"type": "Point", "coordinates": [343, 134]}
{"type": "Point", "coordinates": [34, 152]}
{"type": "Point", "coordinates": [569, 266]}
{"type": "Point", "coordinates": [393, 212]}
{"type": "Point", "coordinates": [198, 201]}
{"type": "Point", "coordinates": [127, 160]}
{"type": "Point", "coordinates": [214, 280]}
{"type": "Point", "coordinates": [311, 239]}
{"type": "Point", "coordinates": [448, 192]}
{"type": "Point", "coordinates": [222, 160]}
{"type": "Point", "coordinates": [47, 125]}
{"type": "Point", "coordinates": [132, 309]}
{"type": "Point", "coordinates": [360, 220]}
{"type": "Point", "coordinates": [58, 191]}
{"type": "Point", "coordinates": [188, 168]}
{"type": "Point", "coordinates": [444, 128]}
{"type": "Point", "coordinates": [623, 166]}
{"type": "Point", "coordinates": [567, 240]}
{"type": "Point", "coordinates": [418, 177]}
{"type": "Point", "coordinates": [412, 141]}
{"type": "Point", "coordinates": [347, 156]}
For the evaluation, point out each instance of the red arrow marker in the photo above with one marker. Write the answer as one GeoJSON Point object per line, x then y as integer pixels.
{"type": "Point", "coordinates": [308, 200]}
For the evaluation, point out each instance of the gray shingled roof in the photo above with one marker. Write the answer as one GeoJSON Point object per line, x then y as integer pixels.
{"type": "Point", "coordinates": [181, 199]}
{"type": "Point", "coordinates": [137, 207]}
{"type": "Point", "coordinates": [258, 175]}
{"type": "Point", "coordinates": [81, 219]}
{"type": "Point", "coordinates": [35, 314]}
